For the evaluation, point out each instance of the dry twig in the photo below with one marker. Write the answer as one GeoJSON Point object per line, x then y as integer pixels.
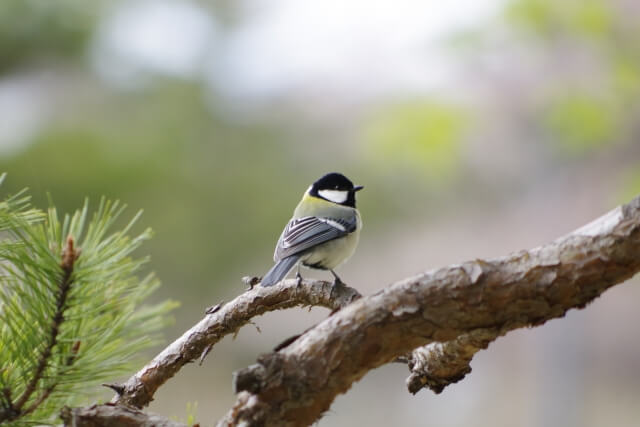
{"type": "Point", "coordinates": [227, 319]}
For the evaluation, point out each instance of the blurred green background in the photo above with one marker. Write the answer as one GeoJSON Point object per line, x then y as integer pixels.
{"type": "Point", "coordinates": [477, 128]}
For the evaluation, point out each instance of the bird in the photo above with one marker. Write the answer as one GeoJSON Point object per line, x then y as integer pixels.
{"type": "Point", "coordinates": [323, 232]}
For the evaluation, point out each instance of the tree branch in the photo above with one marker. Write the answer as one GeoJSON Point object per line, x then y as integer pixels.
{"type": "Point", "coordinates": [222, 320]}
{"type": "Point", "coordinates": [113, 416]}
{"type": "Point", "coordinates": [483, 299]}
{"type": "Point", "coordinates": [438, 365]}
{"type": "Point", "coordinates": [17, 410]}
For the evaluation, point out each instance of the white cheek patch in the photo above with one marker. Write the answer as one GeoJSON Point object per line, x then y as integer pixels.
{"type": "Point", "coordinates": [336, 196]}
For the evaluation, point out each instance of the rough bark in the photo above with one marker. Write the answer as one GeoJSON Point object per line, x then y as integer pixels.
{"type": "Point", "coordinates": [438, 365]}
{"type": "Point", "coordinates": [479, 299]}
{"type": "Point", "coordinates": [113, 416]}
{"type": "Point", "coordinates": [222, 320]}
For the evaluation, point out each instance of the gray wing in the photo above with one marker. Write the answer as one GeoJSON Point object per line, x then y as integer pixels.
{"type": "Point", "coordinates": [303, 233]}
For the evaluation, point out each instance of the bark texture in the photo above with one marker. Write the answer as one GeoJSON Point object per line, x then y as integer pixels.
{"type": "Point", "coordinates": [438, 365]}
{"type": "Point", "coordinates": [466, 305]}
{"type": "Point", "coordinates": [113, 416]}
{"type": "Point", "coordinates": [220, 321]}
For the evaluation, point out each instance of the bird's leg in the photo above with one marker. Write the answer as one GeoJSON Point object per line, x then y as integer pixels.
{"type": "Point", "coordinates": [336, 280]}
{"type": "Point", "coordinates": [298, 276]}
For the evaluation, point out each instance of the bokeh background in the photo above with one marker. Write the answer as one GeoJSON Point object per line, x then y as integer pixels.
{"type": "Point", "coordinates": [478, 127]}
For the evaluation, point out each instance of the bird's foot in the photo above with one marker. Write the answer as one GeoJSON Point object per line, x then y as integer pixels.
{"type": "Point", "coordinates": [251, 281]}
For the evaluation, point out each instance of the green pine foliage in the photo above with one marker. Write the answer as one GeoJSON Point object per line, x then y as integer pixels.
{"type": "Point", "coordinates": [71, 307]}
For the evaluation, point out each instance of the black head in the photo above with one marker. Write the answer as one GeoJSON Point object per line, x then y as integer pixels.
{"type": "Point", "coordinates": [336, 188]}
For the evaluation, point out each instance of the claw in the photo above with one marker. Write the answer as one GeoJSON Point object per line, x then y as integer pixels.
{"type": "Point", "coordinates": [336, 280]}
{"type": "Point", "coordinates": [298, 279]}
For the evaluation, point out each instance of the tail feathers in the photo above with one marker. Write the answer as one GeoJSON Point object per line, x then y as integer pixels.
{"type": "Point", "coordinates": [279, 271]}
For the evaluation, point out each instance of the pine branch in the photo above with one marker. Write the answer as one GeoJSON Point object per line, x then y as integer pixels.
{"type": "Point", "coordinates": [67, 322]}
{"type": "Point", "coordinates": [68, 258]}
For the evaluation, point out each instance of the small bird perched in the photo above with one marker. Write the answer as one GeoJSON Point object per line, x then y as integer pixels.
{"type": "Point", "coordinates": [323, 232]}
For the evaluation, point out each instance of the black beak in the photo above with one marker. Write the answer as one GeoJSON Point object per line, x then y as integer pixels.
{"type": "Point", "coordinates": [358, 188]}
